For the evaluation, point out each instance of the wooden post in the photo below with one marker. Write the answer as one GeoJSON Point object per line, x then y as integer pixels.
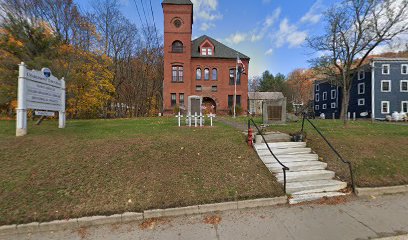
{"type": "Point", "coordinates": [354, 116]}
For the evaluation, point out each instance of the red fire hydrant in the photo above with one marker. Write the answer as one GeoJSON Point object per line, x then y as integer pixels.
{"type": "Point", "coordinates": [250, 137]}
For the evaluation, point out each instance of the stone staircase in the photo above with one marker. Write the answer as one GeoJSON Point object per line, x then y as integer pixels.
{"type": "Point", "coordinates": [307, 179]}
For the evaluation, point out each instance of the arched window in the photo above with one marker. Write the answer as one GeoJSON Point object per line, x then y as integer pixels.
{"type": "Point", "coordinates": [177, 47]}
{"type": "Point", "coordinates": [198, 74]}
{"type": "Point", "coordinates": [214, 74]}
{"type": "Point", "coordinates": [206, 74]}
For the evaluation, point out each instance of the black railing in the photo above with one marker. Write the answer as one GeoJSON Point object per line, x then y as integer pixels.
{"type": "Point", "coordinates": [332, 148]}
{"type": "Point", "coordinates": [284, 168]}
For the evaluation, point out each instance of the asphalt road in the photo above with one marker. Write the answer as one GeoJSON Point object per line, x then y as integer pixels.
{"type": "Point", "coordinates": [363, 218]}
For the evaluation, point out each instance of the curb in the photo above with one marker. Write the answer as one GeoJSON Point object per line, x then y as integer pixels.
{"type": "Point", "coordinates": [76, 223]}
{"type": "Point", "coordinates": [400, 237]}
{"type": "Point", "coordinates": [381, 190]}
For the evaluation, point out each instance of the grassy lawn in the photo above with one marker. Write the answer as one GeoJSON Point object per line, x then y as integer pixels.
{"type": "Point", "coordinates": [113, 166]}
{"type": "Point", "coordinates": [378, 151]}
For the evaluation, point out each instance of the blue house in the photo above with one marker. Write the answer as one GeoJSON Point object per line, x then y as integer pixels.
{"type": "Point", "coordinates": [378, 89]}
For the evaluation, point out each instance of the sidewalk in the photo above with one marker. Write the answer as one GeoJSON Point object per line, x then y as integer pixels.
{"type": "Point", "coordinates": [364, 218]}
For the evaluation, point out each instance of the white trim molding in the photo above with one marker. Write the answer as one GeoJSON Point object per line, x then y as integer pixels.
{"type": "Point", "coordinates": [361, 101]}
{"type": "Point", "coordinates": [317, 108]}
{"type": "Point", "coordinates": [317, 97]}
{"type": "Point", "coordinates": [406, 106]}
{"type": "Point", "coordinates": [324, 96]}
{"type": "Point", "coordinates": [383, 68]}
{"type": "Point", "coordinates": [333, 105]}
{"type": "Point", "coordinates": [406, 69]}
{"type": "Point", "coordinates": [333, 94]}
{"type": "Point", "coordinates": [382, 107]}
{"type": "Point", "coordinates": [401, 82]}
{"type": "Point", "coordinates": [361, 75]}
{"type": "Point", "coordinates": [382, 85]}
{"type": "Point", "coordinates": [362, 90]}
{"type": "Point", "coordinates": [325, 106]}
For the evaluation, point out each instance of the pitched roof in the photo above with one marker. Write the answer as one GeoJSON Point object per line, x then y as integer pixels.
{"type": "Point", "coordinates": [396, 59]}
{"type": "Point", "coordinates": [177, 2]}
{"type": "Point", "coordinates": [220, 50]}
{"type": "Point", "coordinates": [265, 95]}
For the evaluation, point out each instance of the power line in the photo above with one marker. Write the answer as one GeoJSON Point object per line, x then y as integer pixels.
{"type": "Point", "coordinates": [154, 22]}
{"type": "Point", "coordinates": [138, 13]}
{"type": "Point", "coordinates": [144, 13]}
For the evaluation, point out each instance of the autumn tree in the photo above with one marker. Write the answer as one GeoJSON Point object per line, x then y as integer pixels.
{"type": "Point", "coordinates": [300, 86]}
{"type": "Point", "coordinates": [354, 28]}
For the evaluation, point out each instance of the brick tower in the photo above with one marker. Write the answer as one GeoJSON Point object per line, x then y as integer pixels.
{"type": "Point", "coordinates": [178, 24]}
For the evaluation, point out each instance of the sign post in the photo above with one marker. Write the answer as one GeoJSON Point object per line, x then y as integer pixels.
{"type": "Point", "coordinates": [38, 90]}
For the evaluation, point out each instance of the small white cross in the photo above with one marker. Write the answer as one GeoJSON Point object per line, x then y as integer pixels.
{"type": "Point", "coordinates": [211, 116]}
{"type": "Point", "coordinates": [179, 116]}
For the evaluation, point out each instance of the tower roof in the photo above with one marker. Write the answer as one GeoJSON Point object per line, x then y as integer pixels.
{"type": "Point", "coordinates": [177, 2]}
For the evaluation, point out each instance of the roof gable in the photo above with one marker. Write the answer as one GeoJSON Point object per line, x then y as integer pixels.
{"type": "Point", "coordinates": [220, 50]}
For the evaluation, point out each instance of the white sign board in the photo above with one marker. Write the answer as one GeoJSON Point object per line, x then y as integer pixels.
{"type": "Point", "coordinates": [45, 113]}
{"type": "Point", "coordinates": [39, 90]}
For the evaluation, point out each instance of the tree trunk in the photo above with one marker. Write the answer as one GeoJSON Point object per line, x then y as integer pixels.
{"type": "Point", "coordinates": [345, 103]}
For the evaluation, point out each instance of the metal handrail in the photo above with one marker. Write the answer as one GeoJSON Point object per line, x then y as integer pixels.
{"type": "Point", "coordinates": [284, 168]}
{"type": "Point", "coordinates": [332, 148]}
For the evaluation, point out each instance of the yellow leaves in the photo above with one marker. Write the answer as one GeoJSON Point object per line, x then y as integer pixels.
{"type": "Point", "coordinates": [90, 83]}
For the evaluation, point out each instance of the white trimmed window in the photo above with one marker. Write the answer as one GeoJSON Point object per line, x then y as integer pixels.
{"type": "Point", "coordinates": [317, 97]}
{"type": "Point", "coordinates": [206, 52]}
{"type": "Point", "coordinates": [404, 69]}
{"type": "Point", "coordinates": [361, 75]}
{"type": "Point", "coordinates": [324, 96]}
{"type": "Point", "coordinates": [404, 86]}
{"type": "Point", "coordinates": [317, 87]}
{"type": "Point", "coordinates": [333, 105]}
{"type": "Point", "coordinates": [361, 88]}
{"type": "Point", "coordinates": [385, 107]}
{"type": "Point", "coordinates": [386, 69]}
{"type": "Point", "coordinates": [386, 86]}
{"type": "Point", "coordinates": [324, 106]}
{"type": "Point", "coordinates": [333, 94]}
{"type": "Point", "coordinates": [317, 107]}
{"type": "Point", "coordinates": [404, 106]}
{"type": "Point", "coordinates": [361, 102]}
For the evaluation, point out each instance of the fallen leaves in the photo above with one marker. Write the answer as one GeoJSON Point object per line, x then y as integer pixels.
{"type": "Point", "coordinates": [214, 220]}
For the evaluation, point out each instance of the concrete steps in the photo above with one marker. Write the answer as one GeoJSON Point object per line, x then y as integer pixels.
{"type": "Point", "coordinates": [315, 186]}
{"type": "Point", "coordinates": [280, 145]}
{"type": "Point", "coordinates": [290, 158]}
{"type": "Point", "coordinates": [313, 196]}
{"type": "Point", "coordinates": [284, 151]}
{"type": "Point", "coordinates": [307, 179]}
{"type": "Point", "coordinates": [302, 176]}
{"type": "Point", "coordinates": [297, 166]}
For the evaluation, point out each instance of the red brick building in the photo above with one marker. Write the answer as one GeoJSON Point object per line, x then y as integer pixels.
{"type": "Point", "coordinates": [200, 71]}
